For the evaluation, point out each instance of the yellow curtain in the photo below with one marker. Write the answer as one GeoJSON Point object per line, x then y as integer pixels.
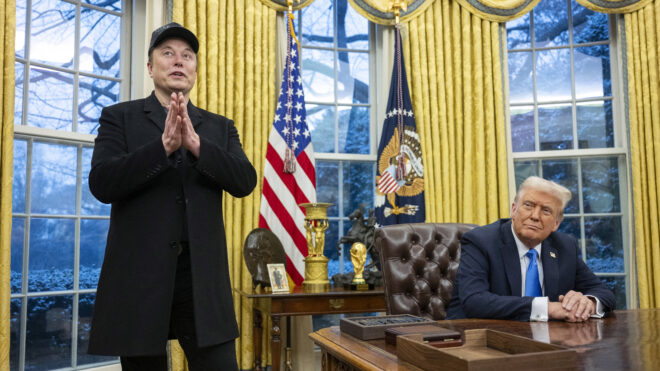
{"type": "Point", "coordinates": [642, 30]}
{"type": "Point", "coordinates": [456, 86]}
{"type": "Point", "coordinates": [8, 26]}
{"type": "Point", "coordinates": [236, 78]}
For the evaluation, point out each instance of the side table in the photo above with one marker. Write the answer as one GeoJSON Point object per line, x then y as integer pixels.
{"type": "Point", "coordinates": [297, 302]}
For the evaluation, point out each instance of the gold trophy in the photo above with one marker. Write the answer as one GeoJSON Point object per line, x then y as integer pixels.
{"type": "Point", "coordinates": [316, 265]}
{"type": "Point", "coordinates": [358, 258]}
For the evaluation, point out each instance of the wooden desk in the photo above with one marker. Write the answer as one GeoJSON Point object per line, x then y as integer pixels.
{"type": "Point", "coordinates": [297, 302]}
{"type": "Point", "coordinates": [628, 340]}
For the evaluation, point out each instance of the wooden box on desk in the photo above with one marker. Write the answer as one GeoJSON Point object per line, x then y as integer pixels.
{"type": "Point", "coordinates": [486, 350]}
{"type": "Point", "coordinates": [369, 328]}
{"type": "Point", "coordinates": [431, 332]}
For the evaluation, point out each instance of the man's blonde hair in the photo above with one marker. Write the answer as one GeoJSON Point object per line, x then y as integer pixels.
{"type": "Point", "coordinates": [560, 192]}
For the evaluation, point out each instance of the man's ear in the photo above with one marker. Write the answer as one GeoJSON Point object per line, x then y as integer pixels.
{"type": "Point", "coordinates": [557, 223]}
{"type": "Point", "coordinates": [151, 73]}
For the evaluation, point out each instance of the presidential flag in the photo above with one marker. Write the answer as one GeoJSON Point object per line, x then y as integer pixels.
{"type": "Point", "coordinates": [289, 175]}
{"type": "Point", "coordinates": [400, 173]}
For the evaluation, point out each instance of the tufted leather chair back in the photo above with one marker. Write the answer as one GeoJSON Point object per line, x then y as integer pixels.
{"type": "Point", "coordinates": [419, 263]}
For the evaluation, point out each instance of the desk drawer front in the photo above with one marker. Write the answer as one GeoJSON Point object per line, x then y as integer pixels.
{"type": "Point", "coordinates": [328, 305]}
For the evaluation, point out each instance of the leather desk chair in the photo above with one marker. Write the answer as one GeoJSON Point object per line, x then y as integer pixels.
{"type": "Point", "coordinates": [419, 263]}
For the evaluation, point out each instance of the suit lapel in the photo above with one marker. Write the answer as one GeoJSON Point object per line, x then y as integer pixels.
{"type": "Point", "coordinates": [511, 259]}
{"type": "Point", "coordinates": [550, 261]}
{"type": "Point", "coordinates": [155, 112]}
{"type": "Point", "coordinates": [194, 114]}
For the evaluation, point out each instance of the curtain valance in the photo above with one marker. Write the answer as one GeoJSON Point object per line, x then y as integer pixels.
{"type": "Point", "coordinates": [614, 6]}
{"type": "Point", "coordinates": [281, 5]}
{"type": "Point", "coordinates": [498, 10]}
{"type": "Point", "coordinates": [506, 10]}
{"type": "Point", "coordinates": [380, 11]}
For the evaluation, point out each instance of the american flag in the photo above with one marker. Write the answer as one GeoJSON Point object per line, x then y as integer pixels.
{"type": "Point", "coordinates": [289, 174]}
{"type": "Point", "coordinates": [400, 175]}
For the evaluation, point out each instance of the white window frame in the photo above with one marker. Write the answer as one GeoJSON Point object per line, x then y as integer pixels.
{"type": "Point", "coordinates": [32, 134]}
{"type": "Point", "coordinates": [620, 149]}
{"type": "Point", "coordinates": [374, 115]}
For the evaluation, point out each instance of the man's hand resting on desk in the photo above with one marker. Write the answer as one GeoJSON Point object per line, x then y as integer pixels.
{"type": "Point", "coordinates": [572, 307]}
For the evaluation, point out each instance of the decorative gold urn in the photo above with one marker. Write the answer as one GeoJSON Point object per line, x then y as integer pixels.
{"type": "Point", "coordinates": [316, 264]}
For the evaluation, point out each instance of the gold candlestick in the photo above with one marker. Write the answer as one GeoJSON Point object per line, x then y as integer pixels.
{"type": "Point", "coordinates": [316, 264]}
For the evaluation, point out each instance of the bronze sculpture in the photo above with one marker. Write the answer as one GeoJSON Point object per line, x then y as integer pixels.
{"type": "Point", "coordinates": [261, 248]}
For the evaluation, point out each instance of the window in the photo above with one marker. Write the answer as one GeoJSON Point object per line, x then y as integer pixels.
{"type": "Point", "coordinates": [565, 127]}
{"type": "Point", "coordinates": [69, 65]}
{"type": "Point", "coordinates": [336, 69]}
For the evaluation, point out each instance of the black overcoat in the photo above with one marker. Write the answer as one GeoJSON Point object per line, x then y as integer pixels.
{"type": "Point", "coordinates": [150, 195]}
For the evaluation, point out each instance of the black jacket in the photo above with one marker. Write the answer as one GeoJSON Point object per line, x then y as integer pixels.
{"type": "Point", "coordinates": [151, 195]}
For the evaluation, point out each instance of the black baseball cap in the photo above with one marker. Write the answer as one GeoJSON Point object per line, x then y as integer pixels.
{"type": "Point", "coordinates": [173, 30]}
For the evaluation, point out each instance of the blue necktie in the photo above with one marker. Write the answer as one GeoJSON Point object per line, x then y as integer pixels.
{"type": "Point", "coordinates": [532, 283]}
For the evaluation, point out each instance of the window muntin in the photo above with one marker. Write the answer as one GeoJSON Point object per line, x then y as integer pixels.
{"type": "Point", "coordinates": [563, 127]}
{"type": "Point", "coordinates": [336, 69]}
{"type": "Point", "coordinates": [68, 67]}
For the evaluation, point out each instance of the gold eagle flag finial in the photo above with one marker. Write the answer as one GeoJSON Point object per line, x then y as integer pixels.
{"type": "Point", "coordinates": [397, 6]}
{"type": "Point", "coordinates": [289, 3]}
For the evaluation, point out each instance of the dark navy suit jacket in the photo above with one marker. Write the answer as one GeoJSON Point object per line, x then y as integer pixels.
{"type": "Point", "coordinates": [488, 283]}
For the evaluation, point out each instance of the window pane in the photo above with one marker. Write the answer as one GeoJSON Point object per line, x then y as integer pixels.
{"type": "Point", "coordinates": [19, 41]}
{"type": "Point", "coordinates": [327, 185]}
{"type": "Point", "coordinates": [551, 23]}
{"type": "Point", "coordinates": [520, 77]}
{"type": "Point", "coordinates": [15, 333]}
{"type": "Point", "coordinates": [592, 71]}
{"type": "Point", "coordinates": [93, 96]}
{"type": "Point", "coordinates": [51, 254]}
{"type": "Point", "coordinates": [89, 204]}
{"type": "Point", "coordinates": [618, 286]}
{"type": "Point", "coordinates": [19, 73]}
{"type": "Point", "coordinates": [353, 78]}
{"type": "Point", "coordinates": [555, 127]}
{"type": "Point", "coordinates": [17, 248]}
{"type": "Point", "coordinates": [553, 75]}
{"type": "Point", "coordinates": [330, 250]}
{"type": "Point", "coordinates": [525, 169]}
{"type": "Point", "coordinates": [50, 99]}
{"type": "Point", "coordinates": [354, 128]}
{"type": "Point", "coordinates": [572, 227]}
{"type": "Point", "coordinates": [107, 4]}
{"type": "Point", "coordinates": [100, 35]}
{"type": "Point", "coordinates": [356, 35]}
{"type": "Point", "coordinates": [604, 244]}
{"type": "Point", "coordinates": [358, 186]}
{"type": "Point", "coordinates": [564, 172]}
{"type": "Point", "coordinates": [588, 26]}
{"type": "Point", "coordinates": [318, 75]}
{"type": "Point", "coordinates": [85, 309]}
{"type": "Point", "coordinates": [318, 24]}
{"type": "Point", "coordinates": [321, 122]}
{"type": "Point", "coordinates": [522, 128]}
{"type": "Point", "coordinates": [48, 333]}
{"type": "Point", "coordinates": [53, 33]}
{"type": "Point", "coordinates": [595, 124]}
{"type": "Point", "coordinates": [517, 33]}
{"type": "Point", "coordinates": [600, 185]}
{"type": "Point", "coordinates": [93, 235]}
{"type": "Point", "coordinates": [20, 173]}
{"type": "Point", "coordinates": [53, 178]}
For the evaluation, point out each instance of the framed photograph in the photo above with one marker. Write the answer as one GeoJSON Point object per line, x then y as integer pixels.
{"type": "Point", "coordinates": [278, 281]}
